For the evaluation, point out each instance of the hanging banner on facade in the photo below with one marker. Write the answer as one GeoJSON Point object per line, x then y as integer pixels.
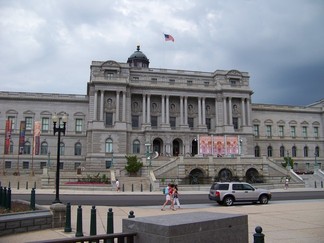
{"type": "Point", "coordinates": [22, 132]}
{"type": "Point", "coordinates": [232, 145]}
{"type": "Point", "coordinates": [8, 131]}
{"type": "Point", "coordinates": [219, 146]}
{"type": "Point", "coordinates": [37, 132]}
{"type": "Point", "coordinates": [205, 144]}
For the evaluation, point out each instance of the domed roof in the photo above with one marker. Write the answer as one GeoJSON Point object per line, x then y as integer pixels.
{"type": "Point", "coordinates": [138, 59]}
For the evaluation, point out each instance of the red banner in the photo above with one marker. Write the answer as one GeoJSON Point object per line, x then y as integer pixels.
{"type": "Point", "coordinates": [7, 137]}
{"type": "Point", "coordinates": [37, 132]}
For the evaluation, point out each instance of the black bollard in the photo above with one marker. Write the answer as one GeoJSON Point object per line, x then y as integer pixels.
{"type": "Point", "coordinates": [150, 187]}
{"type": "Point", "coordinates": [68, 227]}
{"type": "Point", "coordinates": [123, 187]}
{"type": "Point", "coordinates": [110, 224]}
{"type": "Point", "coordinates": [321, 184]}
{"type": "Point", "coordinates": [4, 197]}
{"type": "Point", "coordinates": [131, 215]}
{"type": "Point", "coordinates": [258, 236]}
{"type": "Point", "coordinates": [35, 184]}
{"type": "Point", "coordinates": [32, 199]}
{"type": "Point", "coordinates": [26, 185]}
{"type": "Point", "coordinates": [132, 187]}
{"type": "Point", "coordinates": [79, 231]}
{"type": "Point", "coordinates": [18, 185]}
{"type": "Point", "coordinates": [315, 184]}
{"type": "Point", "coordinates": [9, 198]}
{"type": "Point", "coordinates": [1, 192]}
{"type": "Point", "coordinates": [9, 185]}
{"type": "Point", "coordinates": [141, 187]}
{"type": "Point", "coordinates": [93, 221]}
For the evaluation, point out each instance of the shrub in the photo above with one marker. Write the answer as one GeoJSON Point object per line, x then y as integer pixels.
{"type": "Point", "coordinates": [133, 164]}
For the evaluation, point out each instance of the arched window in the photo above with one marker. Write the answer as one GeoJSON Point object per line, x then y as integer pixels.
{"type": "Point", "coordinates": [11, 147]}
{"type": "Point", "coordinates": [62, 148]}
{"type": "Point", "coordinates": [269, 150]}
{"type": "Point", "coordinates": [256, 151]}
{"type": "Point", "coordinates": [77, 149]}
{"type": "Point", "coordinates": [317, 151]}
{"type": "Point", "coordinates": [305, 151]}
{"type": "Point", "coordinates": [294, 151]}
{"type": "Point", "coordinates": [136, 147]}
{"type": "Point", "coordinates": [27, 148]}
{"type": "Point", "coordinates": [109, 145]}
{"type": "Point", "coordinates": [282, 151]}
{"type": "Point", "coordinates": [44, 148]}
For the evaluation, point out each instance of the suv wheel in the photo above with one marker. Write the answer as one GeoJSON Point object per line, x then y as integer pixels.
{"type": "Point", "coordinates": [228, 201]}
{"type": "Point", "coordinates": [263, 199]}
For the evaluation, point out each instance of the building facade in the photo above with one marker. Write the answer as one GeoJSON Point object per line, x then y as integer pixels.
{"type": "Point", "coordinates": [131, 108]}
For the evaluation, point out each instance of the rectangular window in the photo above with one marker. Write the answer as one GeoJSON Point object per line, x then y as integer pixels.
{"type": "Point", "coordinates": [45, 124]}
{"type": "Point", "coordinates": [109, 119]}
{"type": "Point", "coordinates": [269, 131]}
{"type": "Point", "coordinates": [206, 83]}
{"type": "Point", "coordinates": [78, 125]}
{"type": "Point", "coordinates": [43, 165]}
{"type": "Point", "coordinates": [316, 132]}
{"type": "Point", "coordinates": [29, 123]}
{"type": "Point", "coordinates": [172, 122]}
{"type": "Point", "coordinates": [25, 165]}
{"type": "Point", "coordinates": [154, 121]}
{"type": "Point", "coordinates": [304, 131]}
{"type": "Point", "coordinates": [208, 123]}
{"type": "Point", "coordinates": [281, 131]}
{"type": "Point", "coordinates": [135, 122]}
{"type": "Point", "coordinates": [172, 81]}
{"type": "Point", "coordinates": [108, 164]}
{"type": "Point", "coordinates": [8, 164]}
{"type": "Point", "coordinates": [191, 122]}
{"type": "Point", "coordinates": [293, 131]}
{"type": "Point", "coordinates": [77, 165]}
{"type": "Point", "coordinates": [235, 122]}
{"type": "Point", "coordinates": [61, 165]}
{"type": "Point", "coordinates": [256, 130]}
{"type": "Point", "coordinates": [189, 82]}
{"type": "Point", "coordinates": [13, 122]}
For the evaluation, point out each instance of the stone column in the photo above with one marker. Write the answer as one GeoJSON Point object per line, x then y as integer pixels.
{"type": "Point", "coordinates": [163, 109]}
{"type": "Point", "coordinates": [102, 93]}
{"type": "Point", "coordinates": [199, 111]}
{"type": "Point", "coordinates": [95, 105]}
{"type": "Point", "coordinates": [230, 110]}
{"type": "Point", "coordinates": [203, 112]}
{"type": "Point", "coordinates": [186, 110]}
{"type": "Point", "coordinates": [148, 109]}
{"type": "Point", "coordinates": [117, 105]}
{"type": "Point", "coordinates": [181, 110]}
{"type": "Point", "coordinates": [59, 214]}
{"type": "Point", "coordinates": [167, 110]}
{"type": "Point", "coordinates": [144, 108]}
{"type": "Point", "coordinates": [248, 111]}
{"type": "Point", "coordinates": [124, 106]}
{"type": "Point", "coordinates": [225, 111]}
{"type": "Point", "coordinates": [216, 115]}
{"type": "Point", "coordinates": [243, 111]}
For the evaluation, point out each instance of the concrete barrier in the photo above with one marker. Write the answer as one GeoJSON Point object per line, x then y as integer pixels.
{"type": "Point", "coordinates": [189, 227]}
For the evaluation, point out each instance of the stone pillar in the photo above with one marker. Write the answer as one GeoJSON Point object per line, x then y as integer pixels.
{"type": "Point", "coordinates": [117, 106]}
{"type": "Point", "coordinates": [101, 104]}
{"type": "Point", "coordinates": [167, 110]}
{"type": "Point", "coordinates": [203, 111]}
{"type": "Point", "coordinates": [148, 120]}
{"type": "Point", "coordinates": [199, 111]}
{"type": "Point", "coordinates": [124, 107]}
{"type": "Point", "coordinates": [225, 111]}
{"type": "Point", "coordinates": [248, 111]}
{"type": "Point", "coordinates": [243, 111]}
{"type": "Point", "coordinates": [163, 109]}
{"type": "Point", "coordinates": [95, 105]}
{"type": "Point", "coordinates": [144, 108]}
{"type": "Point", "coordinates": [230, 110]}
{"type": "Point", "coordinates": [186, 110]}
{"type": "Point", "coordinates": [181, 110]}
{"type": "Point", "coordinates": [59, 214]}
{"type": "Point", "coordinates": [216, 115]}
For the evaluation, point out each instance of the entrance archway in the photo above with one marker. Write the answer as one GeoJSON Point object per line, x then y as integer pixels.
{"type": "Point", "coordinates": [252, 176]}
{"type": "Point", "coordinates": [196, 176]}
{"type": "Point", "coordinates": [225, 175]}
{"type": "Point", "coordinates": [158, 145]}
{"type": "Point", "coordinates": [176, 147]}
{"type": "Point", "coordinates": [194, 147]}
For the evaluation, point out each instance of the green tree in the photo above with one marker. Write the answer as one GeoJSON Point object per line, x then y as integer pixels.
{"type": "Point", "coordinates": [133, 164]}
{"type": "Point", "coordinates": [288, 161]}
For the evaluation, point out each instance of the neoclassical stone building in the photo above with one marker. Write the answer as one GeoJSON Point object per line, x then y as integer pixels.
{"type": "Point", "coordinates": [190, 122]}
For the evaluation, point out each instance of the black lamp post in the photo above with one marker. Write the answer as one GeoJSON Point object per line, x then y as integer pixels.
{"type": "Point", "coordinates": [58, 130]}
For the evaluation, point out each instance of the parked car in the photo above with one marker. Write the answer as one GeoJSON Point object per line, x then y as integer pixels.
{"type": "Point", "coordinates": [226, 193]}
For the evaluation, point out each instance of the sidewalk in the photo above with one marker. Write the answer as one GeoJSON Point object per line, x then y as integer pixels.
{"type": "Point", "coordinates": [285, 221]}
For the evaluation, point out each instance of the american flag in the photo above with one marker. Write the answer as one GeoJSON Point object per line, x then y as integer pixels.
{"type": "Point", "coordinates": [168, 37]}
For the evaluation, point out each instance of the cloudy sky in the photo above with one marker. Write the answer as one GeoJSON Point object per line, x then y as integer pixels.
{"type": "Point", "coordinates": [47, 46]}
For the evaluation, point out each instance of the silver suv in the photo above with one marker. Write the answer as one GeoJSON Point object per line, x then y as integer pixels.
{"type": "Point", "coordinates": [226, 193]}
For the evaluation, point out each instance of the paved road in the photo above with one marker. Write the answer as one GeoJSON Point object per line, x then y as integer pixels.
{"type": "Point", "coordinates": [127, 199]}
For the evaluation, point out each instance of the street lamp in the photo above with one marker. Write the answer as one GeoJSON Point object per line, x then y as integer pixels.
{"type": "Point", "coordinates": [58, 130]}
{"type": "Point", "coordinates": [148, 154]}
